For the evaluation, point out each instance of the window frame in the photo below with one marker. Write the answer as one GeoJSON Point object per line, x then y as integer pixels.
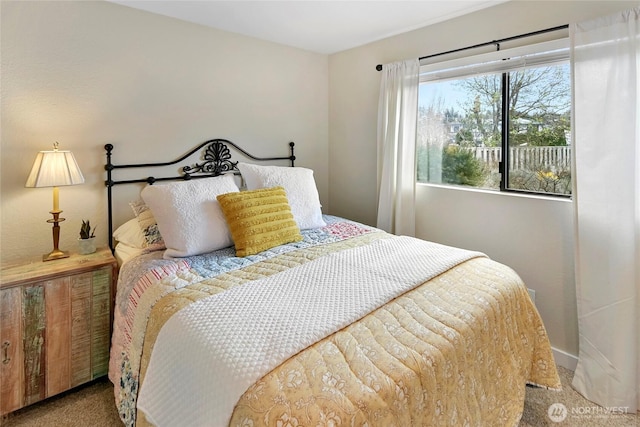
{"type": "Point", "coordinates": [501, 62]}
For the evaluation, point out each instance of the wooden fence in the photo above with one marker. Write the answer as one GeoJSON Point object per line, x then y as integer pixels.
{"type": "Point", "coordinates": [552, 158]}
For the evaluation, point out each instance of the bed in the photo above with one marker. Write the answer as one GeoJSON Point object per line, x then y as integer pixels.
{"type": "Point", "coordinates": [239, 303]}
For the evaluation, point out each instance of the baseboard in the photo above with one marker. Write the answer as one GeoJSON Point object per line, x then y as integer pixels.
{"type": "Point", "coordinates": [565, 359]}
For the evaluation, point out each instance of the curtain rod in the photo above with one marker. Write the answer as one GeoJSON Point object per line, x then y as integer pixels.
{"type": "Point", "coordinates": [495, 42]}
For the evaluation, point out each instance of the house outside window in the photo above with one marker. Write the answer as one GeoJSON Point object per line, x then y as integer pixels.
{"type": "Point", "coordinates": [464, 105]}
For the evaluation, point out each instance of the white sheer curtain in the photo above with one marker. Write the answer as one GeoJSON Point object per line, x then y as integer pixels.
{"type": "Point", "coordinates": [606, 66]}
{"type": "Point", "coordinates": [397, 127]}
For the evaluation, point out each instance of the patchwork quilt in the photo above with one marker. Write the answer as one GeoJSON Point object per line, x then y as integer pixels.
{"type": "Point", "coordinates": [451, 345]}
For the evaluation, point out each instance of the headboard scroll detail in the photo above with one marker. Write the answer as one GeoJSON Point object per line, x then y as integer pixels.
{"type": "Point", "coordinates": [217, 160]}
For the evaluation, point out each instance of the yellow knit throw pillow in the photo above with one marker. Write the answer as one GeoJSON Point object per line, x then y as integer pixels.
{"type": "Point", "coordinates": [259, 219]}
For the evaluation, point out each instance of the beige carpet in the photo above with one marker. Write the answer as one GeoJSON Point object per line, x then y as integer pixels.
{"type": "Point", "coordinates": [578, 411]}
{"type": "Point", "coordinates": [86, 406]}
{"type": "Point", "coordinates": [93, 406]}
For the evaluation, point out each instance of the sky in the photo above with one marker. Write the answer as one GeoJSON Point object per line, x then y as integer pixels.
{"type": "Point", "coordinates": [452, 96]}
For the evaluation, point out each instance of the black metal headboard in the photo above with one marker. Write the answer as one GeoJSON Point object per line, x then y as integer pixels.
{"type": "Point", "coordinates": [217, 161]}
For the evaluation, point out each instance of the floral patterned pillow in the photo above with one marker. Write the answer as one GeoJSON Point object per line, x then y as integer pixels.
{"type": "Point", "coordinates": [148, 225]}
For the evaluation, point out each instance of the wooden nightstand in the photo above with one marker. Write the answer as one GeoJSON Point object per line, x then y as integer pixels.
{"type": "Point", "coordinates": [55, 326]}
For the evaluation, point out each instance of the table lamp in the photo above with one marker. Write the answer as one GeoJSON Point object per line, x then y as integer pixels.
{"type": "Point", "coordinates": [55, 169]}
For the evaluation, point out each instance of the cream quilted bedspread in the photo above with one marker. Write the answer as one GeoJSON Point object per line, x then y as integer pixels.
{"type": "Point", "coordinates": [456, 350]}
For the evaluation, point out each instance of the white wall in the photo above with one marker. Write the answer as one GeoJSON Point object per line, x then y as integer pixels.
{"type": "Point", "coordinates": [90, 73]}
{"type": "Point", "coordinates": [532, 235]}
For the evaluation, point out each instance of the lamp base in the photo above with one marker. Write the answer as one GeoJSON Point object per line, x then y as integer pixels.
{"type": "Point", "coordinates": [55, 254]}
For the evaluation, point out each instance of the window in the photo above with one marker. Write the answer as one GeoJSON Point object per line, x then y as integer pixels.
{"type": "Point", "coordinates": [464, 105]}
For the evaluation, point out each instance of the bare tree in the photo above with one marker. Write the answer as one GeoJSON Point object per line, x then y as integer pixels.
{"type": "Point", "coordinates": [539, 94]}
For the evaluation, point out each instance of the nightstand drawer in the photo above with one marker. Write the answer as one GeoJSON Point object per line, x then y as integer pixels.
{"type": "Point", "coordinates": [55, 327]}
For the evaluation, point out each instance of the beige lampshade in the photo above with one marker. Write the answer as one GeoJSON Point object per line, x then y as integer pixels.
{"type": "Point", "coordinates": [54, 169]}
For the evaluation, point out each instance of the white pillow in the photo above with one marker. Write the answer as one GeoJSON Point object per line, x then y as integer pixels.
{"type": "Point", "coordinates": [189, 216]}
{"type": "Point", "coordinates": [130, 234]}
{"type": "Point", "coordinates": [299, 184]}
{"type": "Point", "coordinates": [124, 253]}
